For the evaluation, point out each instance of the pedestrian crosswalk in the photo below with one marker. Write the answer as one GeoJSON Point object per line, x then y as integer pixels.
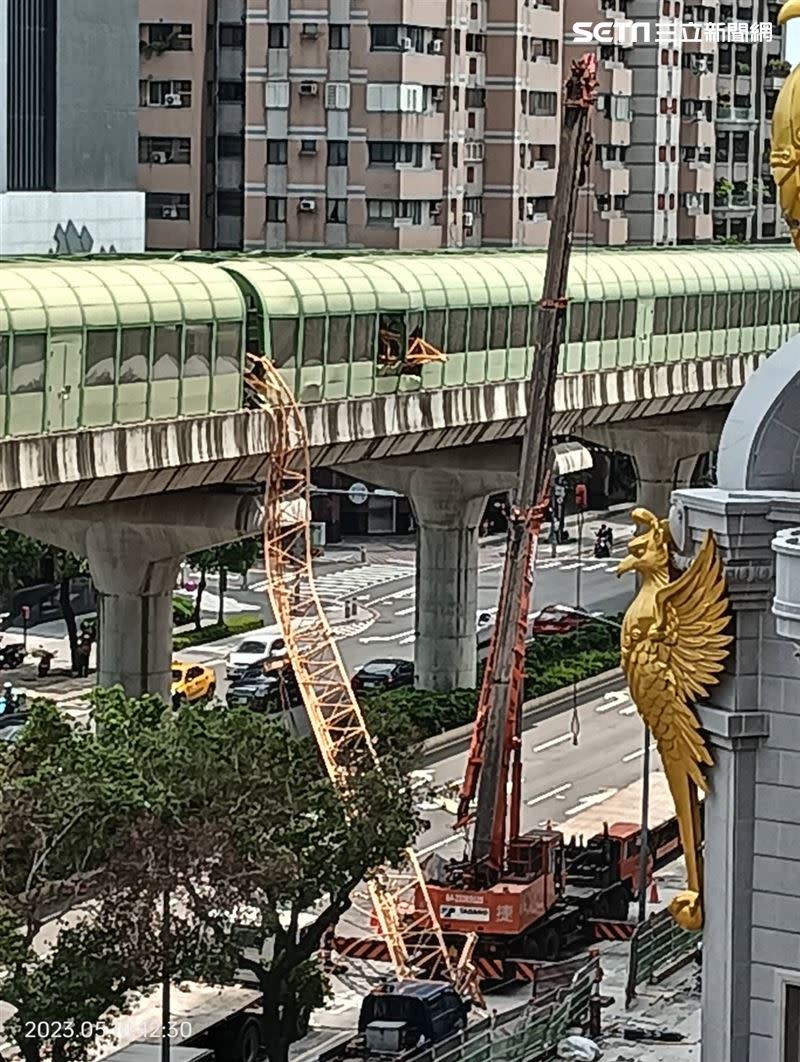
{"type": "Point", "coordinates": [346, 582]}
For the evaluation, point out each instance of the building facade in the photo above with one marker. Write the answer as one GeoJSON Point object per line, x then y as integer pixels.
{"type": "Point", "coordinates": [420, 124]}
{"type": "Point", "coordinates": [68, 127]}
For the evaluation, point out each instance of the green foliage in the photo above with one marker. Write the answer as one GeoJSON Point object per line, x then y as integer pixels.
{"type": "Point", "coordinates": [182, 610]}
{"type": "Point", "coordinates": [551, 663]}
{"type": "Point", "coordinates": [240, 623]}
{"type": "Point", "coordinates": [20, 558]}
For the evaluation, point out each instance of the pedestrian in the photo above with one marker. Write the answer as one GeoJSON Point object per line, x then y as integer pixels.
{"type": "Point", "coordinates": [7, 703]}
{"type": "Point", "coordinates": [84, 651]}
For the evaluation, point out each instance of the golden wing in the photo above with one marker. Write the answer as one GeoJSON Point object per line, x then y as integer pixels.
{"type": "Point", "coordinates": [691, 615]}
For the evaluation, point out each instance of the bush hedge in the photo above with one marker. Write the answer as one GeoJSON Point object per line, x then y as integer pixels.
{"type": "Point", "coordinates": [182, 610]}
{"type": "Point", "coordinates": [240, 623]}
{"type": "Point", "coordinates": [552, 662]}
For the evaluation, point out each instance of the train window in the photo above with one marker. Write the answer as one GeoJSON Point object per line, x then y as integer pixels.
{"type": "Point", "coordinates": [229, 348]}
{"type": "Point", "coordinates": [364, 337]}
{"type": "Point", "coordinates": [519, 326]}
{"type": "Point", "coordinates": [101, 357]}
{"type": "Point", "coordinates": [197, 361]}
{"type": "Point", "coordinates": [435, 323]}
{"type": "Point", "coordinates": [283, 337]}
{"type": "Point", "coordinates": [478, 320]}
{"type": "Point", "coordinates": [456, 331]}
{"type": "Point", "coordinates": [776, 304]}
{"type": "Point", "coordinates": [735, 310]}
{"type": "Point", "coordinates": [628, 324]}
{"type": "Point", "coordinates": [498, 335]}
{"type": "Point", "coordinates": [706, 322]}
{"type": "Point", "coordinates": [166, 352]}
{"type": "Point", "coordinates": [720, 312]}
{"type": "Point", "coordinates": [576, 315]}
{"type": "Point", "coordinates": [792, 305]}
{"type": "Point", "coordinates": [690, 320]}
{"type": "Point", "coordinates": [3, 364]}
{"type": "Point", "coordinates": [676, 314]}
{"type": "Point", "coordinates": [391, 336]}
{"type": "Point", "coordinates": [660, 317]}
{"type": "Point", "coordinates": [313, 340]}
{"type": "Point", "coordinates": [338, 340]}
{"type": "Point", "coordinates": [611, 323]}
{"type": "Point", "coordinates": [747, 303]}
{"type": "Point", "coordinates": [762, 308]}
{"type": "Point", "coordinates": [134, 357]}
{"type": "Point", "coordinates": [27, 370]}
{"type": "Point", "coordinates": [414, 324]}
{"type": "Point", "coordinates": [594, 322]}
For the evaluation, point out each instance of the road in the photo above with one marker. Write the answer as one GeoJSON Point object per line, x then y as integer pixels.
{"type": "Point", "coordinates": [383, 588]}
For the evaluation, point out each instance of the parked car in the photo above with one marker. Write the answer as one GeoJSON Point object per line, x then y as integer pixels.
{"type": "Point", "coordinates": [265, 689]}
{"type": "Point", "coordinates": [11, 725]}
{"type": "Point", "coordinates": [383, 675]}
{"type": "Point", "coordinates": [192, 682]}
{"type": "Point", "coordinates": [254, 649]}
{"type": "Point", "coordinates": [558, 619]}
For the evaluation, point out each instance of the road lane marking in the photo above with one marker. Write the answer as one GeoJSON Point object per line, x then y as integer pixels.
{"type": "Point", "coordinates": [613, 700]}
{"type": "Point", "coordinates": [405, 611]}
{"type": "Point", "coordinates": [570, 567]}
{"type": "Point", "coordinates": [628, 711]}
{"type": "Point", "coordinates": [439, 844]}
{"type": "Point", "coordinates": [591, 801]}
{"type": "Point", "coordinates": [553, 741]}
{"type": "Point", "coordinates": [635, 755]}
{"type": "Point", "coordinates": [551, 793]}
{"type": "Point", "coordinates": [386, 637]}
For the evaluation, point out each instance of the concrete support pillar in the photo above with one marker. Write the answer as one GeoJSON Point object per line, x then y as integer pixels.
{"type": "Point", "coordinates": [134, 549]}
{"type": "Point", "coordinates": [447, 582]}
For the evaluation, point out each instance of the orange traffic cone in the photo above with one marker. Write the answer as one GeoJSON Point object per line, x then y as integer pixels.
{"type": "Point", "coordinates": [654, 897]}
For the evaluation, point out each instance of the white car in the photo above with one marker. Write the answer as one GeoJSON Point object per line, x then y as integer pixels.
{"type": "Point", "coordinates": [253, 649]}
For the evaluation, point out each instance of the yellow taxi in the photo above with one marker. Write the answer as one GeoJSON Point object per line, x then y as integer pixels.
{"type": "Point", "coordinates": [192, 682]}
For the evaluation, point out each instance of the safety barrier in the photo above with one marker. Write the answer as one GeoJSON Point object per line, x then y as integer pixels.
{"type": "Point", "coordinates": [658, 947]}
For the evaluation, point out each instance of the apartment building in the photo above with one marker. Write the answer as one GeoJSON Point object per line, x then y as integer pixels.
{"type": "Point", "coordinates": [68, 127]}
{"type": "Point", "coordinates": [419, 124]}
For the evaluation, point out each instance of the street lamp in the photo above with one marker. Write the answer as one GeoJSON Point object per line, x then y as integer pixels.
{"type": "Point", "coordinates": [644, 826]}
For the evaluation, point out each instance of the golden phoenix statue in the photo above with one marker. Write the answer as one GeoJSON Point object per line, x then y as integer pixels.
{"type": "Point", "coordinates": [784, 157]}
{"type": "Point", "coordinates": [673, 649]}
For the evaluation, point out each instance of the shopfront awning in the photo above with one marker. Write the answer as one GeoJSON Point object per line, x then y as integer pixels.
{"type": "Point", "coordinates": [570, 457]}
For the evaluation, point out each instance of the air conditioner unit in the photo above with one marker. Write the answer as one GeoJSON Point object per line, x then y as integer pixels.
{"type": "Point", "coordinates": [405, 44]}
{"type": "Point", "coordinates": [437, 47]}
{"type": "Point", "coordinates": [159, 157]}
{"type": "Point", "coordinates": [307, 206]}
{"type": "Point", "coordinates": [169, 212]}
{"type": "Point", "coordinates": [309, 88]}
{"type": "Point", "coordinates": [401, 223]}
{"type": "Point", "coordinates": [310, 29]}
{"type": "Point", "coordinates": [469, 219]}
{"type": "Point", "coordinates": [172, 99]}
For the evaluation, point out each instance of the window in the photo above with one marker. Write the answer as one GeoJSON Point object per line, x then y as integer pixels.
{"type": "Point", "coordinates": [157, 150]}
{"type": "Point", "coordinates": [230, 146]}
{"type": "Point", "coordinates": [165, 93]}
{"type": "Point", "coordinates": [27, 370]}
{"type": "Point", "coordinates": [628, 322]}
{"type": "Point", "coordinates": [660, 316]}
{"type": "Point", "coordinates": [477, 328]}
{"type": "Point", "coordinates": [4, 343]}
{"type": "Point", "coordinates": [594, 317]}
{"type": "Point", "coordinates": [576, 316]}
{"type": "Point", "coordinates": [337, 152]}
{"type": "Point", "coordinates": [313, 340]}
{"type": "Point", "coordinates": [434, 330]}
{"type": "Point", "coordinates": [231, 35]}
{"type": "Point", "coordinates": [166, 352]}
{"type": "Point", "coordinates": [338, 36]}
{"type": "Point", "coordinates": [229, 348]}
{"type": "Point", "coordinates": [497, 335]}
{"type": "Point", "coordinates": [336, 211]}
{"type": "Point", "coordinates": [611, 323]}
{"type": "Point", "coordinates": [456, 97]}
{"type": "Point", "coordinates": [231, 91]}
{"type": "Point", "coordinates": [385, 38]}
{"type": "Point", "coordinates": [197, 361]}
{"type": "Point", "coordinates": [167, 206]}
{"type": "Point", "coordinates": [166, 37]}
{"type": "Point", "coordinates": [230, 203]}
{"type": "Point", "coordinates": [101, 351]}
{"type": "Point", "coordinates": [276, 95]}
{"type": "Point", "coordinates": [276, 209]}
{"type": "Point", "coordinates": [542, 104]}
{"type": "Point", "coordinates": [364, 337]}
{"type": "Point", "coordinates": [308, 147]}
{"type": "Point", "coordinates": [337, 95]}
{"type": "Point", "coordinates": [791, 1023]}
{"type": "Point", "coordinates": [134, 355]}
{"type": "Point", "coordinates": [476, 97]}
{"type": "Point", "coordinates": [283, 337]}
{"type": "Point", "coordinates": [456, 331]}
{"type": "Point", "coordinates": [676, 314]}
{"type": "Point", "coordinates": [380, 211]}
{"type": "Point", "coordinates": [278, 35]}
{"type": "Point", "coordinates": [476, 42]}
{"type": "Point", "coordinates": [519, 326]}
{"type": "Point", "coordinates": [338, 340]}
{"type": "Point", "coordinates": [276, 152]}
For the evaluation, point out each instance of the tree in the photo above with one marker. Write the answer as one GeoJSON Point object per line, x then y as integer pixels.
{"type": "Point", "coordinates": [67, 567]}
{"type": "Point", "coordinates": [238, 557]}
{"type": "Point", "coordinates": [20, 559]}
{"type": "Point", "coordinates": [225, 812]}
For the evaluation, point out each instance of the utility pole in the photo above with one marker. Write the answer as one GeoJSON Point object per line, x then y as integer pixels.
{"type": "Point", "coordinates": [644, 834]}
{"type": "Point", "coordinates": [502, 683]}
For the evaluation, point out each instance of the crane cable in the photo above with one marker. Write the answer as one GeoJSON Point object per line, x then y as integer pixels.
{"type": "Point", "coordinates": [414, 940]}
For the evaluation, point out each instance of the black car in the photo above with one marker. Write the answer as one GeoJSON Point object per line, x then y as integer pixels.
{"type": "Point", "coordinates": [265, 690]}
{"type": "Point", "coordinates": [383, 675]}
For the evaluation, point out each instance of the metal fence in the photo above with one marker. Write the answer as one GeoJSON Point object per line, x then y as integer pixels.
{"type": "Point", "coordinates": [658, 947]}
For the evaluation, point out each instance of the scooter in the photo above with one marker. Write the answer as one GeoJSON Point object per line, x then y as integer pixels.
{"type": "Point", "coordinates": [602, 548]}
{"type": "Point", "coordinates": [12, 656]}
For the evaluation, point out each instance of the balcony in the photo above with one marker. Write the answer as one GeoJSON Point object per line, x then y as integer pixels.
{"type": "Point", "coordinates": [696, 177]}
{"type": "Point", "coordinates": [418, 183]}
{"type": "Point", "coordinates": [618, 79]}
{"type": "Point", "coordinates": [543, 76]}
{"type": "Point", "coordinates": [735, 116]}
{"type": "Point", "coordinates": [541, 180]}
{"type": "Point", "coordinates": [543, 130]}
{"type": "Point", "coordinates": [421, 68]}
{"type": "Point", "coordinates": [612, 178]}
{"type": "Point", "coordinates": [736, 205]}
